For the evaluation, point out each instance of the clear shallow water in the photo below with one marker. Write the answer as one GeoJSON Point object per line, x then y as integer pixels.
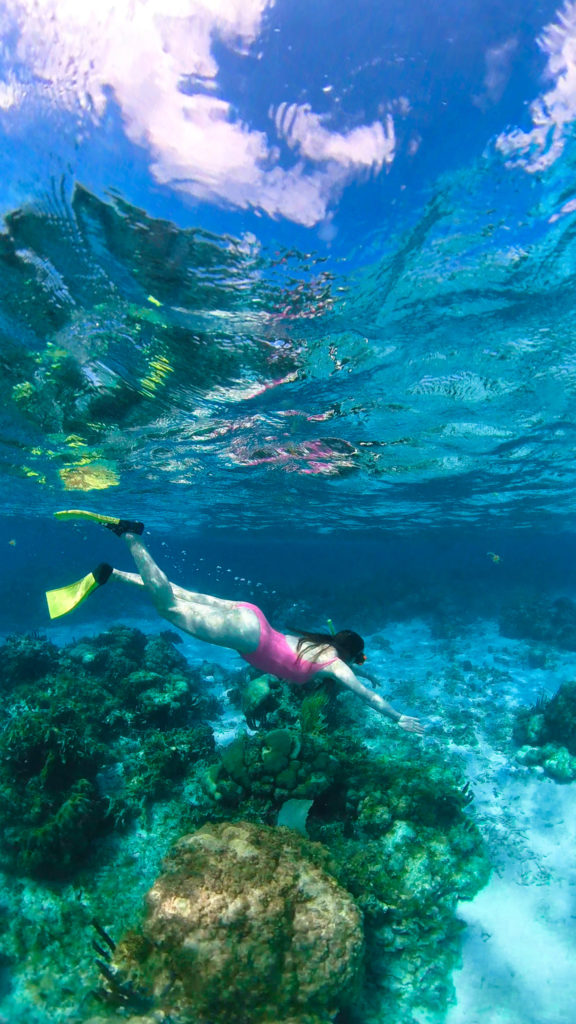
{"type": "Point", "coordinates": [405, 360]}
{"type": "Point", "coordinates": [200, 375]}
{"type": "Point", "coordinates": [296, 288]}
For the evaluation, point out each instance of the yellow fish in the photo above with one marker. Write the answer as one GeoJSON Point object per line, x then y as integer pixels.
{"type": "Point", "coordinates": [494, 557]}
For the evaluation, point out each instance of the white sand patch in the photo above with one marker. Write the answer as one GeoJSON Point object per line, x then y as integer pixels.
{"type": "Point", "coordinates": [520, 948]}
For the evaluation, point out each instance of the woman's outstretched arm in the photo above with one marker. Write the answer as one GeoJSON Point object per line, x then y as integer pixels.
{"type": "Point", "coordinates": [343, 673]}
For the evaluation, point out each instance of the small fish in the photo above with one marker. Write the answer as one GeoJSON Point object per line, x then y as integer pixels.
{"type": "Point", "coordinates": [494, 557]}
{"type": "Point", "coordinates": [12, 543]}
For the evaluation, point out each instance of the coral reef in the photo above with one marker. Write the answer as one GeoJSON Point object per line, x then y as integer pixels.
{"type": "Point", "coordinates": [266, 702]}
{"type": "Point", "coordinates": [401, 838]}
{"type": "Point", "coordinates": [244, 921]}
{"type": "Point", "coordinates": [546, 734]}
{"type": "Point", "coordinates": [114, 733]}
{"type": "Point", "coordinates": [537, 618]}
{"type": "Point", "coordinates": [408, 852]}
{"type": "Point", "coordinates": [93, 734]}
{"type": "Point", "coordinates": [25, 659]}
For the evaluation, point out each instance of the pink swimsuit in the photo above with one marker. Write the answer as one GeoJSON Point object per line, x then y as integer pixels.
{"type": "Point", "coordinates": [274, 654]}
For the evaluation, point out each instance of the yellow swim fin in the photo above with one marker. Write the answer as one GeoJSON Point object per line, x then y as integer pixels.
{"type": "Point", "coordinates": [118, 526]}
{"type": "Point", "coordinates": [65, 599]}
{"type": "Point", "coordinates": [78, 513]}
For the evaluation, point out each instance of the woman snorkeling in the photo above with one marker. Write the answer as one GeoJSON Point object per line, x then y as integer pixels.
{"type": "Point", "coordinates": [237, 625]}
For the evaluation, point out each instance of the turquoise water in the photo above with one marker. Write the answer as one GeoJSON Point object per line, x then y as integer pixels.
{"type": "Point", "coordinates": [294, 286]}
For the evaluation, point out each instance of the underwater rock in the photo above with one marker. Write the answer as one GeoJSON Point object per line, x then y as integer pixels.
{"type": "Point", "coordinates": [113, 654]}
{"type": "Point", "coordinates": [160, 700]}
{"type": "Point", "coordinates": [241, 913]}
{"type": "Point", "coordinates": [559, 764]}
{"type": "Point", "coordinates": [160, 654]}
{"type": "Point", "coordinates": [552, 760]}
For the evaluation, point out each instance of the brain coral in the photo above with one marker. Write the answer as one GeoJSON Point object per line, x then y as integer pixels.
{"type": "Point", "coordinates": [244, 923]}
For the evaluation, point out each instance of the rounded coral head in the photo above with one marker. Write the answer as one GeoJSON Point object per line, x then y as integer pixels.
{"type": "Point", "coordinates": [243, 908]}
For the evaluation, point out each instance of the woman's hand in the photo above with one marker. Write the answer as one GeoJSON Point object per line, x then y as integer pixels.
{"type": "Point", "coordinates": [411, 724]}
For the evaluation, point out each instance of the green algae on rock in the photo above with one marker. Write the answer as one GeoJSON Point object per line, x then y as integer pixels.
{"type": "Point", "coordinates": [249, 916]}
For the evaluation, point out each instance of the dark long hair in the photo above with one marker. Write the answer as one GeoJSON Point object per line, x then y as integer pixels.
{"type": "Point", "coordinates": [349, 645]}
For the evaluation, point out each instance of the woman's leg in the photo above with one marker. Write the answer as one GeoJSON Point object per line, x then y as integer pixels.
{"type": "Point", "coordinates": [180, 593]}
{"type": "Point", "coordinates": [217, 621]}
{"type": "Point", "coordinates": [156, 582]}
{"type": "Point", "coordinates": [227, 623]}
{"type": "Point", "coordinates": [127, 577]}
